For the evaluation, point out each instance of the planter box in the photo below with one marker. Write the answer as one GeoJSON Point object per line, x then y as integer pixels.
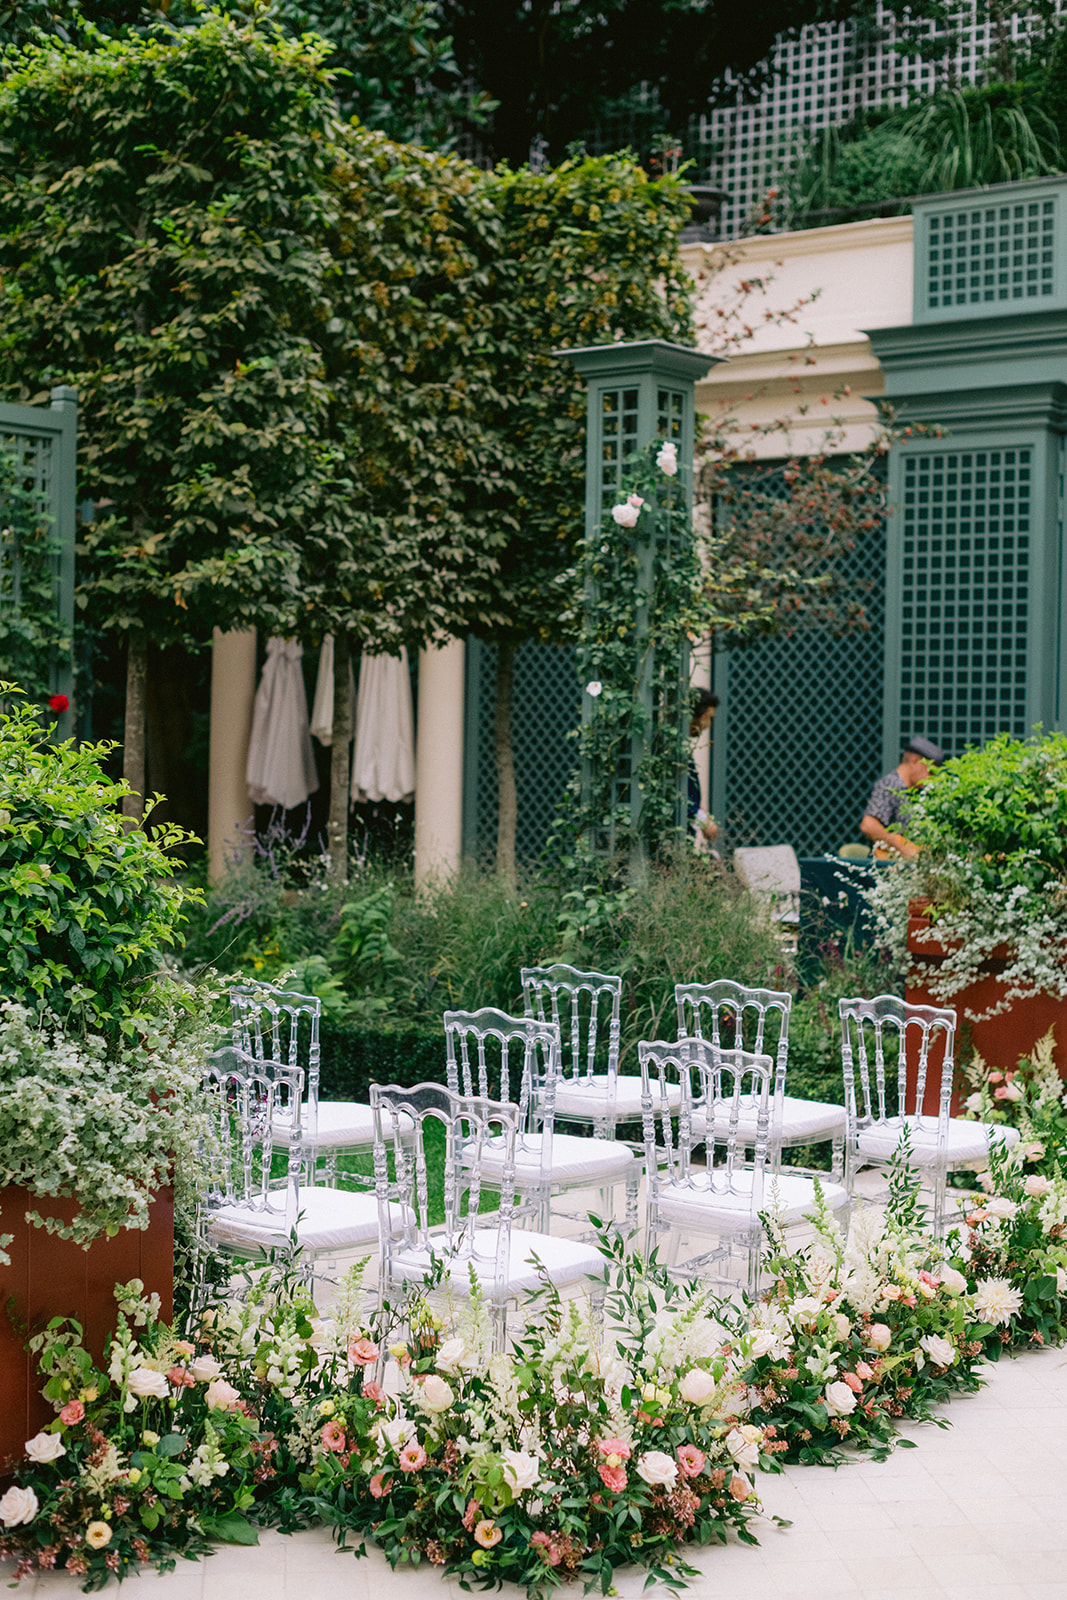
{"type": "Point", "coordinates": [1002, 1039]}
{"type": "Point", "coordinates": [50, 1277]}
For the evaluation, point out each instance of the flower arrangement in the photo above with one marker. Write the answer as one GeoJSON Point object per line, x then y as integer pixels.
{"type": "Point", "coordinates": [857, 1333]}
{"type": "Point", "coordinates": [1029, 1096]}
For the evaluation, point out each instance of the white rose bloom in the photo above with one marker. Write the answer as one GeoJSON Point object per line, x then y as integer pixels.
{"type": "Point", "coordinates": [1037, 1186]}
{"type": "Point", "coordinates": [805, 1309]}
{"type": "Point", "coordinates": [973, 1101]}
{"type": "Point", "coordinates": [762, 1343]}
{"type": "Point", "coordinates": [839, 1400]}
{"type": "Point", "coordinates": [435, 1395]}
{"type": "Point", "coordinates": [16, 1506]}
{"type": "Point", "coordinates": [1011, 1091]}
{"type": "Point", "coordinates": [1002, 1209]}
{"type": "Point", "coordinates": [204, 1368]}
{"type": "Point", "coordinates": [667, 460]}
{"type": "Point", "coordinates": [697, 1387]}
{"type": "Point", "coordinates": [1061, 1281]}
{"type": "Point", "coordinates": [842, 1325]}
{"type": "Point", "coordinates": [397, 1432]}
{"type": "Point", "coordinates": [595, 689]}
{"type": "Point", "coordinates": [953, 1282]}
{"type": "Point", "coordinates": [626, 515]}
{"type": "Point", "coordinates": [996, 1301]}
{"type": "Point", "coordinates": [744, 1444]}
{"type": "Point", "coordinates": [45, 1447]}
{"type": "Point", "coordinates": [521, 1470]}
{"type": "Point", "coordinates": [451, 1357]}
{"type": "Point", "coordinates": [656, 1468]}
{"type": "Point", "coordinates": [942, 1352]}
{"type": "Point", "coordinates": [879, 1337]}
{"type": "Point", "coordinates": [147, 1384]}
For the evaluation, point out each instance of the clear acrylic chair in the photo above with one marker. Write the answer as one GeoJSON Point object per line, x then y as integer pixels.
{"type": "Point", "coordinates": [478, 1134]}
{"type": "Point", "coordinates": [585, 1006]}
{"type": "Point", "coordinates": [245, 1210]}
{"type": "Point", "coordinates": [737, 1017]}
{"type": "Point", "coordinates": [522, 1055]}
{"type": "Point", "coordinates": [272, 1024]}
{"type": "Point", "coordinates": [880, 1111]}
{"type": "Point", "coordinates": [700, 1179]}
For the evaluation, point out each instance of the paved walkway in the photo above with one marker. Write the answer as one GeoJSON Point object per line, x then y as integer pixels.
{"type": "Point", "coordinates": [977, 1512]}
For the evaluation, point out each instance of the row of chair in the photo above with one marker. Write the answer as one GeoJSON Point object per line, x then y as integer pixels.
{"type": "Point", "coordinates": [714, 1117]}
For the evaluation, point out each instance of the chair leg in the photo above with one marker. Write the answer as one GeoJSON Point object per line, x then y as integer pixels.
{"type": "Point", "coordinates": [633, 1185]}
{"type": "Point", "coordinates": [837, 1158]}
{"type": "Point", "coordinates": [499, 1315]}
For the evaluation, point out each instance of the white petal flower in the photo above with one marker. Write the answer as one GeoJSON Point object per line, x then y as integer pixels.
{"type": "Point", "coordinates": [667, 460]}
{"type": "Point", "coordinates": [45, 1447]}
{"type": "Point", "coordinates": [996, 1301]}
{"type": "Point", "coordinates": [626, 515]}
{"type": "Point", "coordinates": [839, 1400]}
{"type": "Point", "coordinates": [595, 688]}
{"type": "Point", "coordinates": [521, 1470]}
{"type": "Point", "coordinates": [942, 1352]}
{"type": "Point", "coordinates": [657, 1468]}
{"type": "Point", "coordinates": [18, 1505]}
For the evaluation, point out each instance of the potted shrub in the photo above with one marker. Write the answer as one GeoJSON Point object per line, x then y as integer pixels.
{"type": "Point", "coordinates": [99, 1050]}
{"type": "Point", "coordinates": [978, 920]}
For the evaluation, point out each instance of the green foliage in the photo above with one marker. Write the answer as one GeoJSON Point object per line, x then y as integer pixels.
{"type": "Point", "coordinates": [956, 139]}
{"type": "Point", "coordinates": [31, 633]}
{"type": "Point", "coordinates": [86, 906]}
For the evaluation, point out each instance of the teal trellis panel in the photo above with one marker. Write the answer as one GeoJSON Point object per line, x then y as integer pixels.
{"type": "Point", "coordinates": [45, 441]}
{"type": "Point", "coordinates": [972, 589]}
{"type": "Point", "coordinates": [991, 252]}
{"type": "Point", "coordinates": [546, 709]}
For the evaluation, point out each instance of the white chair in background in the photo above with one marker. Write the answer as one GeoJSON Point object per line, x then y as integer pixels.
{"type": "Point", "coordinates": [734, 1016]}
{"type": "Point", "coordinates": [772, 874]}
{"type": "Point", "coordinates": [699, 1180]}
{"type": "Point", "coordinates": [522, 1055]}
{"type": "Point", "coordinates": [245, 1210]}
{"type": "Point", "coordinates": [886, 1116]}
{"type": "Point", "coordinates": [479, 1135]}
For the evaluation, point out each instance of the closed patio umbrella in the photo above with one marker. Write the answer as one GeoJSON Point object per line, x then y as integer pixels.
{"type": "Point", "coordinates": [281, 763]}
{"type": "Point", "coordinates": [322, 706]}
{"type": "Point", "coordinates": [384, 764]}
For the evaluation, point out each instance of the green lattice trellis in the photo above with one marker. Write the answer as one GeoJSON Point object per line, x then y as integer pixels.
{"type": "Point", "coordinates": [545, 711]}
{"type": "Point", "coordinates": [965, 593]}
{"type": "Point", "coordinates": [797, 739]}
{"type": "Point", "coordinates": [1004, 250]}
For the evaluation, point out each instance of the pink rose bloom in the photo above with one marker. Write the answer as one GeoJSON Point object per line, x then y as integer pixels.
{"type": "Point", "coordinates": [374, 1391]}
{"type": "Point", "coordinates": [71, 1413]}
{"type": "Point", "coordinates": [221, 1396]}
{"type": "Point", "coordinates": [853, 1382]}
{"type": "Point", "coordinates": [412, 1457]}
{"type": "Point", "coordinates": [378, 1485]}
{"type": "Point", "coordinates": [740, 1488]}
{"type": "Point", "coordinates": [614, 1447]}
{"type": "Point", "coordinates": [691, 1460]}
{"type": "Point", "coordinates": [332, 1436]}
{"type": "Point", "coordinates": [864, 1371]}
{"type": "Point", "coordinates": [181, 1378]}
{"type": "Point", "coordinates": [363, 1352]}
{"type": "Point", "coordinates": [613, 1478]}
{"type": "Point", "coordinates": [184, 1347]}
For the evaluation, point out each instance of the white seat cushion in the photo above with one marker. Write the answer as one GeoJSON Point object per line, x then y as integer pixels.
{"type": "Point", "coordinates": [587, 1099]}
{"type": "Point", "coordinates": [967, 1141]}
{"type": "Point", "coordinates": [574, 1161]}
{"type": "Point", "coordinates": [791, 1196]}
{"type": "Point", "coordinates": [342, 1125]}
{"type": "Point", "coordinates": [331, 1219]}
{"type": "Point", "coordinates": [565, 1260]}
{"type": "Point", "coordinates": [802, 1120]}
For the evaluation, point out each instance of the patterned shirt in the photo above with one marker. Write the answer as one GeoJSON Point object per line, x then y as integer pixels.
{"type": "Point", "coordinates": [888, 803]}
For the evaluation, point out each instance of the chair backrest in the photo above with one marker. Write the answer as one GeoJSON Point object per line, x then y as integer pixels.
{"type": "Point", "coordinates": [471, 1125]}
{"type": "Point", "coordinates": [246, 1095]}
{"type": "Point", "coordinates": [864, 1024]}
{"type": "Point", "coordinates": [733, 1016]}
{"type": "Point", "coordinates": [772, 872]}
{"type": "Point", "coordinates": [585, 1008]}
{"type": "Point", "coordinates": [496, 1056]}
{"type": "Point", "coordinates": [732, 1090]}
{"type": "Point", "coordinates": [267, 1026]}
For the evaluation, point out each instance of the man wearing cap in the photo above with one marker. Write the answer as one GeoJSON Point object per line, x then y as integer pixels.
{"type": "Point", "coordinates": [887, 809]}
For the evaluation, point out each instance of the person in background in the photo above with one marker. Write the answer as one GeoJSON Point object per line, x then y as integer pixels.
{"type": "Point", "coordinates": [887, 809]}
{"type": "Point", "coordinates": [700, 824]}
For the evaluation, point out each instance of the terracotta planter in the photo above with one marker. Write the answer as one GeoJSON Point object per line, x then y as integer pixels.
{"type": "Point", "coordinates": [1002, 1039]}
{"type": "Point", "coordinates": [50, 1277]}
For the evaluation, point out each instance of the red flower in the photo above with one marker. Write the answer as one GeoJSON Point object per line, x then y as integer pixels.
{"type": "Point", "coordinates": [58, 703]}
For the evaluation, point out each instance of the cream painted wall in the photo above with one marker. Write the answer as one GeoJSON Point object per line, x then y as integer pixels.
{"type": "Point", "coordinates": [861, 274]}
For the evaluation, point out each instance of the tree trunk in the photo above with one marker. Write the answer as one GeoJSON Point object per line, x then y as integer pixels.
{"type": "Point", "coordinates": [340, 758]}
{"type": "Point", "coordinates": [507, 810]}
{"type": "Point", "coordinates": [133, 744]}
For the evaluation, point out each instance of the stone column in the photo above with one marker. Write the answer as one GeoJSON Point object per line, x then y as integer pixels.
{"type": "Point", "coordinates": [439, 762]}
{"type": "Point", "coordinates": [233, 690]}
